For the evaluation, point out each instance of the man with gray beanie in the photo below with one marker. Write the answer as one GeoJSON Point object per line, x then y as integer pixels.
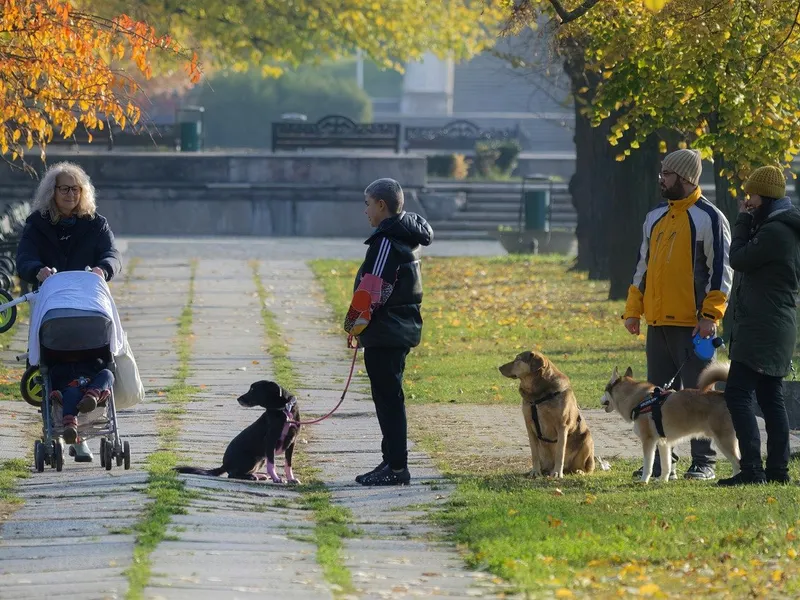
{"type": "Point", "coordinates": [681, 286]}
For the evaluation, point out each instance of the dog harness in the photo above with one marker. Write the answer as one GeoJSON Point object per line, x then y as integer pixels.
{"type": "Point", "coordinates": [652, 404]}
{"type": "Point", "coordinates": [535, 414]}
{"type": "Point", "coordinates": [288, 426]}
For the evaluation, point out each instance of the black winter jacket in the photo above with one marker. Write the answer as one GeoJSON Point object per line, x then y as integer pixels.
{"type": "Point", "coordinates": [766, 284]}
{"type": "Point", "coordinates": [89, 242]}
{"type": "Point", "coordinates": [393, 255]}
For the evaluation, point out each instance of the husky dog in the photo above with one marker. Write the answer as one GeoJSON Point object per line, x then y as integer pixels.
{"type": "Point", "coordinates": [688, 413]}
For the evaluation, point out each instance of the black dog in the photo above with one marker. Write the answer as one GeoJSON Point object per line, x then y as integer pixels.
{"type": "Point", "coordinates": [270, 434]}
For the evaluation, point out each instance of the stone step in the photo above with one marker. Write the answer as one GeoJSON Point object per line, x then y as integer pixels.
{"type": "Point", "coordinates": [461, 234]}
{"type": "Point", "coordinates": [558, 212]}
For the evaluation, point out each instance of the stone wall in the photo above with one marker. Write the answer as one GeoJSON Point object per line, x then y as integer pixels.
{"type": "Point", "coordinates": [308, 194]}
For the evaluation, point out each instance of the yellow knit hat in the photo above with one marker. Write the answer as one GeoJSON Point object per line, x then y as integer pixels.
{"type": "Point", "coordinates": [766, 181]}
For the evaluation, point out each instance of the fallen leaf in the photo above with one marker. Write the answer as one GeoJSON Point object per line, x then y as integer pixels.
{"type": "Point", "coordinates": [649, 589]}
{"type": "Point", "coordinates": [564, 593]}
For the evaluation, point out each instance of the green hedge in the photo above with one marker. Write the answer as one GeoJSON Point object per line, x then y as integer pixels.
{"type": "Point", "coordinates": [240, 107]}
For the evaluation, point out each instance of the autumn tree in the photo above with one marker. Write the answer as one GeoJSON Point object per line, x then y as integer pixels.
{"type": "Point", "coordinates": [276, 34]}
{"type": "Point", "coordinates": [58, 73]}
{"type": "Point", "coordinates": [720, 73]}
{"type": "Point", "coordinates": [80, 63]}
{"type": "Point", "coordinates": [601, 188]}
{"type": "Point", "coordinates": [724, 73]}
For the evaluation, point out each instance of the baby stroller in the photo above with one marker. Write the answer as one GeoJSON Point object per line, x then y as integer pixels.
{"type": "Point", "coordinates": [88, 333]}
{"type": "Point", "coordinates": [73, 316]}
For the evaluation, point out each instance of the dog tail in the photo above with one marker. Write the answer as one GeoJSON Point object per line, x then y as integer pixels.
{"type": "Point", "coordinates": [197, 471]}
{"type": "Point", "coordinates": [713, 373]}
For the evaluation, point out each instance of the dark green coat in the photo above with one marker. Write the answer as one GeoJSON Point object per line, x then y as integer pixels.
{"type": "Point", "coordinates": [765, 288]}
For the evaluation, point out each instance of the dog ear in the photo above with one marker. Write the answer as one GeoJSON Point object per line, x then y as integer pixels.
{"type": "Point", "coordinates": [536, 361]}
{"type": "Point", "coordinates": [629, 372]}
{"type": "Point", "coordinates": [614, 375]}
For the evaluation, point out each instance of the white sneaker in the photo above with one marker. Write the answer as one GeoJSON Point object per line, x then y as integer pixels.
{"type": "Point", "coordinates": [81, 452]}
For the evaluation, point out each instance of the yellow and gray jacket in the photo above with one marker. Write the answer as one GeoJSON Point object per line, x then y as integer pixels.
{"type": "Point", "coordinates": [683, 272]}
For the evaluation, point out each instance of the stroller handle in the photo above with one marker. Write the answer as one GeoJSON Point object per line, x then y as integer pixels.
{"type": "Point", "coordinates": [26, 298]}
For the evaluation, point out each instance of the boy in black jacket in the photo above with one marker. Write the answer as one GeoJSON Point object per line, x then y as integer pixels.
{"type": "Point", "coordinates": [384, 317]}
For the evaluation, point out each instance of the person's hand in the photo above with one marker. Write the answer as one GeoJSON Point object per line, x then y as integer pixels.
{"type": "Point", "coordinates": [99, 271]}
{"type": "Point", "coordinates": [44, 273]}
{"type": "Point", "coordinates": [706, 328]}
{"type": "Point", "coordinates": [744, 207]}
{"type": "Point", "coordinates": [632, 325]}
{"type": "Point", "coordinates": [351, 341]}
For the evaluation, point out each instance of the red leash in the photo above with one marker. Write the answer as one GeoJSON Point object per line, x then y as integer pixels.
{"type": "Point", "coordinates": [344, 393]}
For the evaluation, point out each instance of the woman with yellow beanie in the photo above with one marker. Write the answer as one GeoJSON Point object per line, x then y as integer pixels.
{"type": "Point", "coordinates": [765, 255]}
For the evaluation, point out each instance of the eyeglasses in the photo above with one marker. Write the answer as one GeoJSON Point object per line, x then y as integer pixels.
{"type": "Point", "coordinates": [65, 189]}
{"type": "Point", "coordinates": [665, 174]}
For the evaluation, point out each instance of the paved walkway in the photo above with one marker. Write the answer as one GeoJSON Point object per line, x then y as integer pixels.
{"type": "Point", "coordinates": [71, 538]}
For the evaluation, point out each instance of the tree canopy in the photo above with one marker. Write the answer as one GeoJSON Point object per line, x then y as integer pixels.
{"type": "Point", "coordinates": [59, 70]}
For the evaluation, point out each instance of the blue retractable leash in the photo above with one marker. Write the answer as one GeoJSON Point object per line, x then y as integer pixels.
{"type": "Point", "coordinates": [704, 349]}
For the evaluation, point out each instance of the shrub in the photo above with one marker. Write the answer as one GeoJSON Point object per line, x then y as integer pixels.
{"type": "Point", "coordinates": [240, 107]}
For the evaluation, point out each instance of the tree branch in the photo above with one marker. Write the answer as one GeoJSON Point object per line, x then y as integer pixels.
{"type": "Point", "coordinates": [565, 16]}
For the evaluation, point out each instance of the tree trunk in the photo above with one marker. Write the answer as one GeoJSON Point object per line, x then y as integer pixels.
{"type": "Point", "coordinates": [729, 205]}
{"type": "Point", "coordinates": [589, 185]}
{"type": "Point", "coordinates": [590, 189]}
{"type": "Point", "coordinates": [636, 191]}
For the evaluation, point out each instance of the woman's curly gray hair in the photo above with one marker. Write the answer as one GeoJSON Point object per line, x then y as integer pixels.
{"type": "Point", "coordinates": [44, 201]}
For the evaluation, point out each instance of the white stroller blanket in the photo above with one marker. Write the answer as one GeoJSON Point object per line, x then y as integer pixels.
{"type": "Point", "coordinates": [73, 289]}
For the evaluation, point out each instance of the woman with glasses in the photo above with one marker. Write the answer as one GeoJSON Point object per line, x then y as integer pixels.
{"type": "Point", "coordinates": [65, 233]}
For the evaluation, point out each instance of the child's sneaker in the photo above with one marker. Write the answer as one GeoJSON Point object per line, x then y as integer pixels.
{"type": "Point", "coordinates": [89, 401]}
{"type": "Point", "coordinates": [387, 476]}
{"type": "Point", "coordinates": [70, 424]}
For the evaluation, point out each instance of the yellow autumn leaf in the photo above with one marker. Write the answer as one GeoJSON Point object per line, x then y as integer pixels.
{"type": "Point", "coordinates": [649, 589]}
{"type": "Point", "coordinates": [791, 553]}
{"type": "Point", "coordinates": [777, 575]}
{"type": "Point", "coordinates": [655, 5]}
{"type": "Point", "coordinates": [564, 593]}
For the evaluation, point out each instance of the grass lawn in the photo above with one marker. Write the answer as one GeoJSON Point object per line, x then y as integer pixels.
{"type": "Point", "coordinates": [597, 536]}
{"type": "Point", "coordinates": [480, 312]}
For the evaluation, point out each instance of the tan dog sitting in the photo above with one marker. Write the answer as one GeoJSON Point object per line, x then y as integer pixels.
{"type": "Point", "coordinates": [559, 438]}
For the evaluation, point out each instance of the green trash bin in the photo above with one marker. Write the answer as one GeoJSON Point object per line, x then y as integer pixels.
{"type": "Point", "coordinates": [190, 136]}
{"type": "Point", "coordinates": [537, 204]}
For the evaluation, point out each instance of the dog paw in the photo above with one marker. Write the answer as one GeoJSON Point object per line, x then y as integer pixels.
{"type": "Point", "coordinates": [260, 477]}
{"type": "Point", "coordinates": [555, 475]}
{"type": "Point", "coordinates": [292, 481]}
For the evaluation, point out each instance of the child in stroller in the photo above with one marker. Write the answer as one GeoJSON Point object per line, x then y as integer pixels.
{"type": "Point", "coordinates": [80, 384]}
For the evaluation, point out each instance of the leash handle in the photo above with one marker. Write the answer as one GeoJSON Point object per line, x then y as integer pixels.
{"type": "Point", "coordinates": [344, 393]}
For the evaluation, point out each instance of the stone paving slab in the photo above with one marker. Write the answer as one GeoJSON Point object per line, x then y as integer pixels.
{"type": "Point", "coordinates": [231, 541]}
{"type": "Point", "coordinates": [68, 523]}
{"type": "Point", "coordinates": [349, 443]}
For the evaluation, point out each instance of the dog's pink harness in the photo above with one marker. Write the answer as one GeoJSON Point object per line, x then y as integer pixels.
{"type": "Point", "coordinates": [288, 426]}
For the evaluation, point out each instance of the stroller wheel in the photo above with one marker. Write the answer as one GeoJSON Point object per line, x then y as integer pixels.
{"type": "Point", "coordinates": [108, 451]}
{"type": "Point", "coordinates": [103, 452]}
{"type": "Point", "coordinates": [126, 453]}
{"type": "Point", "coordinates": [8, 316]}
{"type": "Point", "coordinates": [118, 453]}
{"type": "Point", "coordinates": [58, 455]}
{"type": "Point", "coordinates": [30, 386]}
{"type": "Point", "coordinates": [38, 455]}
